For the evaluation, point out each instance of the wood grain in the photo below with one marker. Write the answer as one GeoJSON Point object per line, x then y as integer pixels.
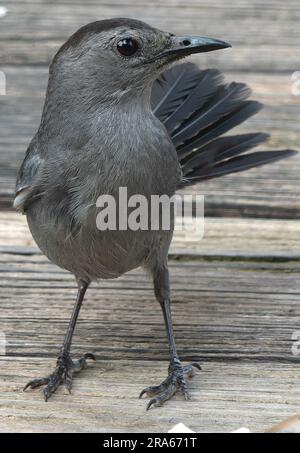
{"type": "Point", "coordinates": [105, 399]}
{"type": "Point", "coordinates": [235, 312]}
{"type": "Point", "coordinates": [33, 30]}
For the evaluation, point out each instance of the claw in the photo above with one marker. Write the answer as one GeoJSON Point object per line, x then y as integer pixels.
{"type": "Point", "coordinates": [46, 393]}
{"type": "Point", "coordinates": [154, 390]}
{"type": "Point", "coordinates": [150, 404]}
{"type": "Point", "coordinates": [81, 364]}
{"type": "Point", "coordinates": [35, 383]}
{"type": "Point", "coordinates": [196, 365]}
{"type": "Point", "coordinates": [155, 402]}
{"type": "Point", "coordinates": [143, 392]}
{"type": "Point", "coordinates": [88, 355]}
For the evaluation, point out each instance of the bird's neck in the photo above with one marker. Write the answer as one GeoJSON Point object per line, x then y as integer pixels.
{"type": "Point", "coordinates": [74, 114]}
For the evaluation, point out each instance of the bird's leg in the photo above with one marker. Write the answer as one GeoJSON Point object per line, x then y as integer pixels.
{"type": "Point", "coordinates": [65, 366]}
{"type": "Point", "coordinates": [177, 372]}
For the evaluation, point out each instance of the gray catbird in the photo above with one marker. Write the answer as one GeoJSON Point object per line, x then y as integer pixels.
{"type": "Point", "coordinates": [114, 116]}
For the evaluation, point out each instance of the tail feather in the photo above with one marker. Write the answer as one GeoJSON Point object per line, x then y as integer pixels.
{"type": "Point", "coordinates": [197, 108]}
{"type": "Point", "coordinates": [220, 149]}
{"type": "Point", "coordinates": [228, 147]}
{"type": "Point", "coordinates": [233, 119]}
{"type": "Point", "coordinates": [226, 100]}
{"type": "Point", "coordinates": [237, 164]}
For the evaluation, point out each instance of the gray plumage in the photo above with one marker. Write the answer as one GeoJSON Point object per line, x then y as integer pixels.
{"type": "Point", "coordinates": [111, 121]}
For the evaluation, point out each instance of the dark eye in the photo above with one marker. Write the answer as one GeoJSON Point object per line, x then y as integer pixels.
{"type": "Point", "coordinates": [127, 47]}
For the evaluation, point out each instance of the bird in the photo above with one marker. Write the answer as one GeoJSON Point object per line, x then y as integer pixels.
{"type": "Point", "coordinates": [119, 112]}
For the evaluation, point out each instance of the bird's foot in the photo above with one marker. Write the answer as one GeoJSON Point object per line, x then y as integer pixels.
{"type": "Point", "coordinates": [174, 382]}
{"type": "Point", "coordinates": [63, 374]}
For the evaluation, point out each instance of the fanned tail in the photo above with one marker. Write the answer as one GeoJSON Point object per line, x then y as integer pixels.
{"type": "Point", "coordinates": [197, 108]}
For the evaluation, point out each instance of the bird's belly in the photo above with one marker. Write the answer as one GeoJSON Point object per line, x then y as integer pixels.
{"type": "Point", "coordinates": [90, 253]}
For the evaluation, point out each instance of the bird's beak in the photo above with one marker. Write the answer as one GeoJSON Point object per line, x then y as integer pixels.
{"type": "Point", "coordinates": [187, 45]}
{"type": "Point", "coordinates": [182, 46]}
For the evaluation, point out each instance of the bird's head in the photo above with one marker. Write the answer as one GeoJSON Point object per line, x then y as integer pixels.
{"type": "Point", "coordinates": [124, 55]}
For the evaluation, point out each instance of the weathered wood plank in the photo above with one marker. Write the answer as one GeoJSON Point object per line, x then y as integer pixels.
{"type": "Point", "coordinates": [28, 36]}
{"type": "Point", "coordinates": [236, 316]}
{"type": "Point", "coordinates": [104, 398]}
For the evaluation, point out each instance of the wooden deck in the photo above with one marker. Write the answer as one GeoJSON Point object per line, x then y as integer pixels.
{"type": "Point", "coordinates": [236, 293]}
